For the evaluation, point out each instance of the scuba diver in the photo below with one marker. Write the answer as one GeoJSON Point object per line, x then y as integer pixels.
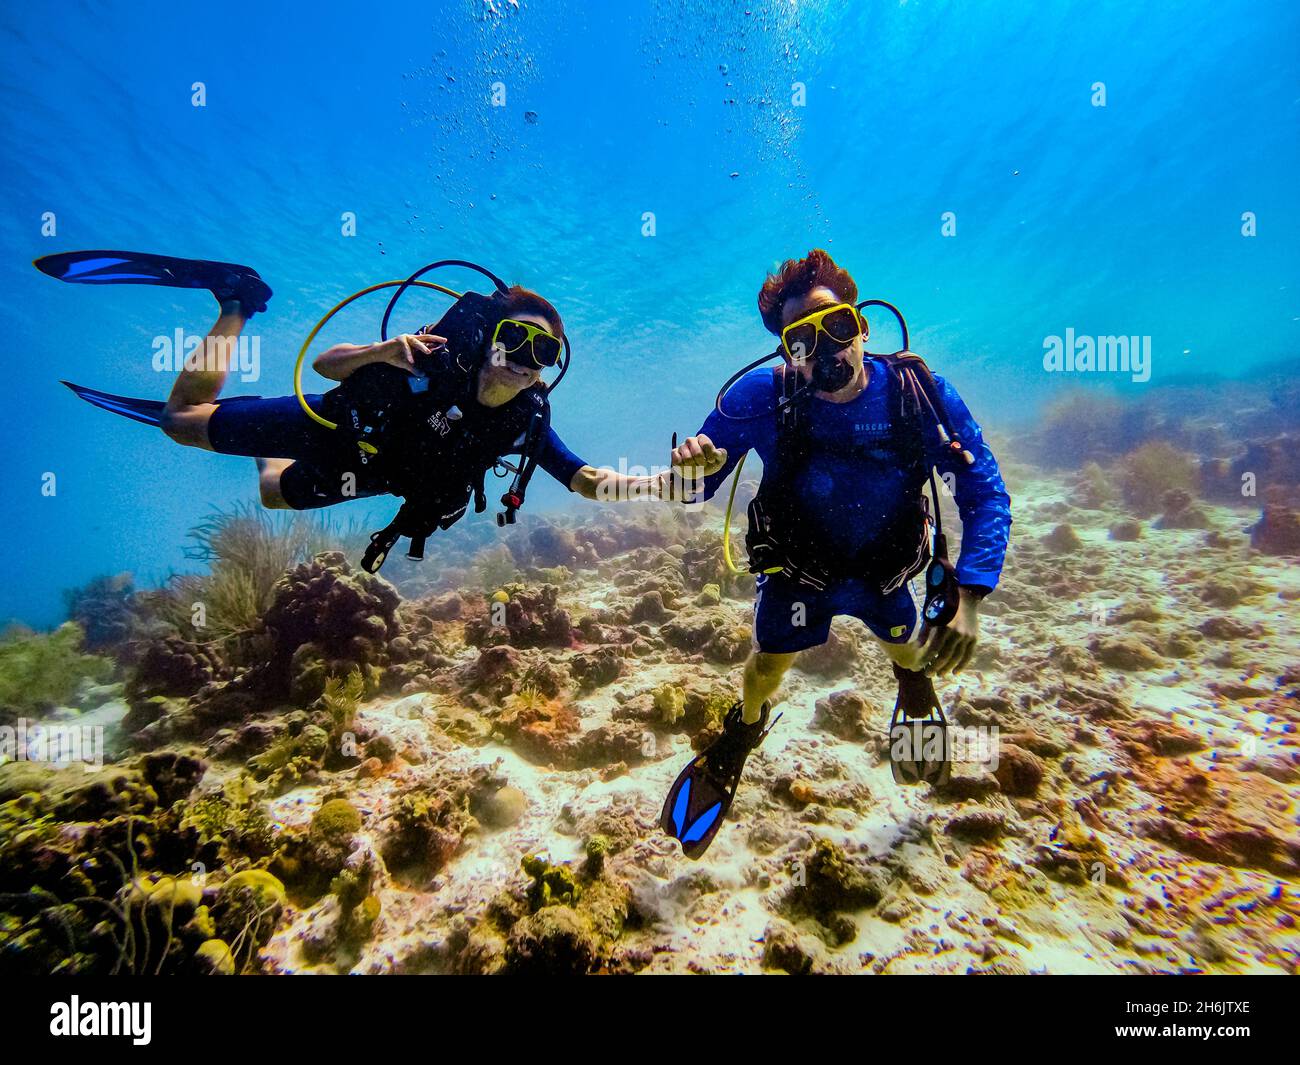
{"type": "Point", "coordinates": [422, 416]}
{"type": "Point", "coordinates": [840, 523]}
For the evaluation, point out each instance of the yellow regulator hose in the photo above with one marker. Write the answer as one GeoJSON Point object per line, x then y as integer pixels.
{"type": "Point", "coordinates": [302, 353]}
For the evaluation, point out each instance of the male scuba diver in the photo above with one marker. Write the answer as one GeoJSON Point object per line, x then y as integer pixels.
{"type": "Point", "coordinates": [840, 523]}
{"type": "Point", "coordinates": [423, 416]}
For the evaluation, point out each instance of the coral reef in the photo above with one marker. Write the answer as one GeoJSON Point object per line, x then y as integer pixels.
{"type": "Point", "coordinates": [1179, 511]}
{"type": "Point", "coordinates": [529, 618]}
{"type": "Point", "coordinates": [107, 612]}
{"type": "Point", "coordinates": [327, 620]}
{"type": "Point", "coordinates": [247, 551]}
{"type": "Point", "coordinates": [41, 671]}
{"type": "Point", "coordinates": [1153, 470]}
{"type": "Point", "coordinates": [1080, 427]}
{"type": "Point", "coordinates": [466, 776]}
{"type": "Point", "coordinates": [1278, 531]}
{"type": "Point", "coordinates": [566, 922]}
{"type": "Point", "coordinates": [173, 666]}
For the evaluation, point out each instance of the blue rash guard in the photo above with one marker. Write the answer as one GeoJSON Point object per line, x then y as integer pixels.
{"type": "Point", "coordinates": [850, 491]}
{"type": "Point", "coordinates": [558, 460]}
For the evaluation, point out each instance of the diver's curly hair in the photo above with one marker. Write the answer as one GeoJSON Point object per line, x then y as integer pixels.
{"type": "Point", "coordinates": [798, 277]}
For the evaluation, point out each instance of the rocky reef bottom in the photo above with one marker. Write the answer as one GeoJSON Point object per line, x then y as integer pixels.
{"type": "Point", "coordinates": [470, 783]}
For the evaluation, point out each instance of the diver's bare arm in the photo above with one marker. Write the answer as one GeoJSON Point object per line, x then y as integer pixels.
{"type": "Point", "coordinates": [609, 486]}
{"type": "Point", "coordinates": [691, 461]}
{"type": "Point", "coordinates": [342, 360]}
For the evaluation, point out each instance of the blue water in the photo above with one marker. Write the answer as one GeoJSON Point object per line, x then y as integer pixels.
{"type": "Point", "coordinates": [1117, 220]}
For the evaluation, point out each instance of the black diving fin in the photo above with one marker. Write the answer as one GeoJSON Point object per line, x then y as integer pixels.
{"type": "Point", "coordinates": [703, 792]}
{"type": "Point", "coordinates": [920, 749]}
{"type": "Point", "coordinates": [226, 281]}
{"type": "Point", "coordinates": [146, 411]}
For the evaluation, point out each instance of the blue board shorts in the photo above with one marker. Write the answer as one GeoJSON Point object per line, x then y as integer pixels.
{"type": "Point", "coordinates": [790, 617]}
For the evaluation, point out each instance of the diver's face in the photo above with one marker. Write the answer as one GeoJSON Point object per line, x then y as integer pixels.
{"type": "Point", "coordinates": [500, 375]}
{"type": "Point", "coordinates": [851, 354]}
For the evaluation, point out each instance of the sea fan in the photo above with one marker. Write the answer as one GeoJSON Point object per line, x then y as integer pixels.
{"type": "Point", "coordinates": [247, 550]}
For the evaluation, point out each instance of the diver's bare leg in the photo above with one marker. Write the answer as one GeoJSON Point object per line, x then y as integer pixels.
{"type": "Point", "coordinates": [268, 482]}
{"type": "Point", "coordinates": [192, 401]}
{"type": "Point", "coordinates": [763, 675]}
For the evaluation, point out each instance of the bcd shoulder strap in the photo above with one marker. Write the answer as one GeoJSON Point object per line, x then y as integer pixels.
{"type": "Point", "coordinates": [424, 512]}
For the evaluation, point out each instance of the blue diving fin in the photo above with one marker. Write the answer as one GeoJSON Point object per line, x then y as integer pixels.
{"type": "Point", "coordinates": [703, 792]}
{"type": "Point", "coordinates": [226, 281]}
{"type": "Point", "coordinates": [147, 411]}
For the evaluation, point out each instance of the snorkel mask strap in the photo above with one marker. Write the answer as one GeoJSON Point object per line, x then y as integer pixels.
{"type": "Point", "coordinates": [564, 368]}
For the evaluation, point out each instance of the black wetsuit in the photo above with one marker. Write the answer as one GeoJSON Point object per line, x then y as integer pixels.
{"type": "Point", "coordinates": [324, 458]}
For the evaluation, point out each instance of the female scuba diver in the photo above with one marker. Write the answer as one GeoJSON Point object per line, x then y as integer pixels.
{"type": "Point", "coordinates": [423, 416]}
